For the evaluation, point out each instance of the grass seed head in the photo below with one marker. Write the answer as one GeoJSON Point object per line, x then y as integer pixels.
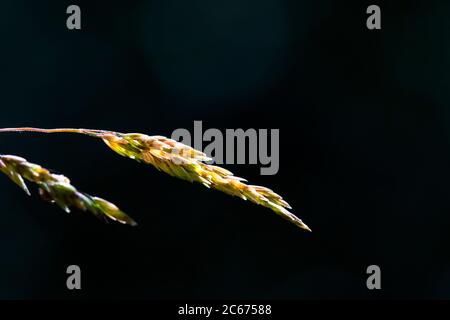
{"type": "Point", "coordinates": [184, 162]}
{"type": "Point", "coordinates": [57, 189]}
{"type": "Point", "coordinates": [167, 155]}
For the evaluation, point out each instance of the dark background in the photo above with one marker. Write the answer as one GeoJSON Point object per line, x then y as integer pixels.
{"type": "Point", "coordinates": [364, 159]}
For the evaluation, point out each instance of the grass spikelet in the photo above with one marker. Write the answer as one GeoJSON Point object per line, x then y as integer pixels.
{"type": "Point", "coordinates": [57, 189]}
{"type": "Point", "coordinates": [184, 162]}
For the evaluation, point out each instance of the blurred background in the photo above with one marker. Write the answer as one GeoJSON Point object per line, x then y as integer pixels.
{"type": "Point", "coordinates": [364, 147]}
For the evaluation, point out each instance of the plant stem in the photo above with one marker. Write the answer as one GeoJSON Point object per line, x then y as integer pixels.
{"type": "Point", "coordinates": [90, 132]}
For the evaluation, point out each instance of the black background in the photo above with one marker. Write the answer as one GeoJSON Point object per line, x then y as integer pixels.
{"type": "Point", "coordinates": [364, 156]}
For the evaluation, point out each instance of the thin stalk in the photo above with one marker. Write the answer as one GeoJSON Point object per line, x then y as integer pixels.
{"type": "Point", "coordinates": [90, 132]}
